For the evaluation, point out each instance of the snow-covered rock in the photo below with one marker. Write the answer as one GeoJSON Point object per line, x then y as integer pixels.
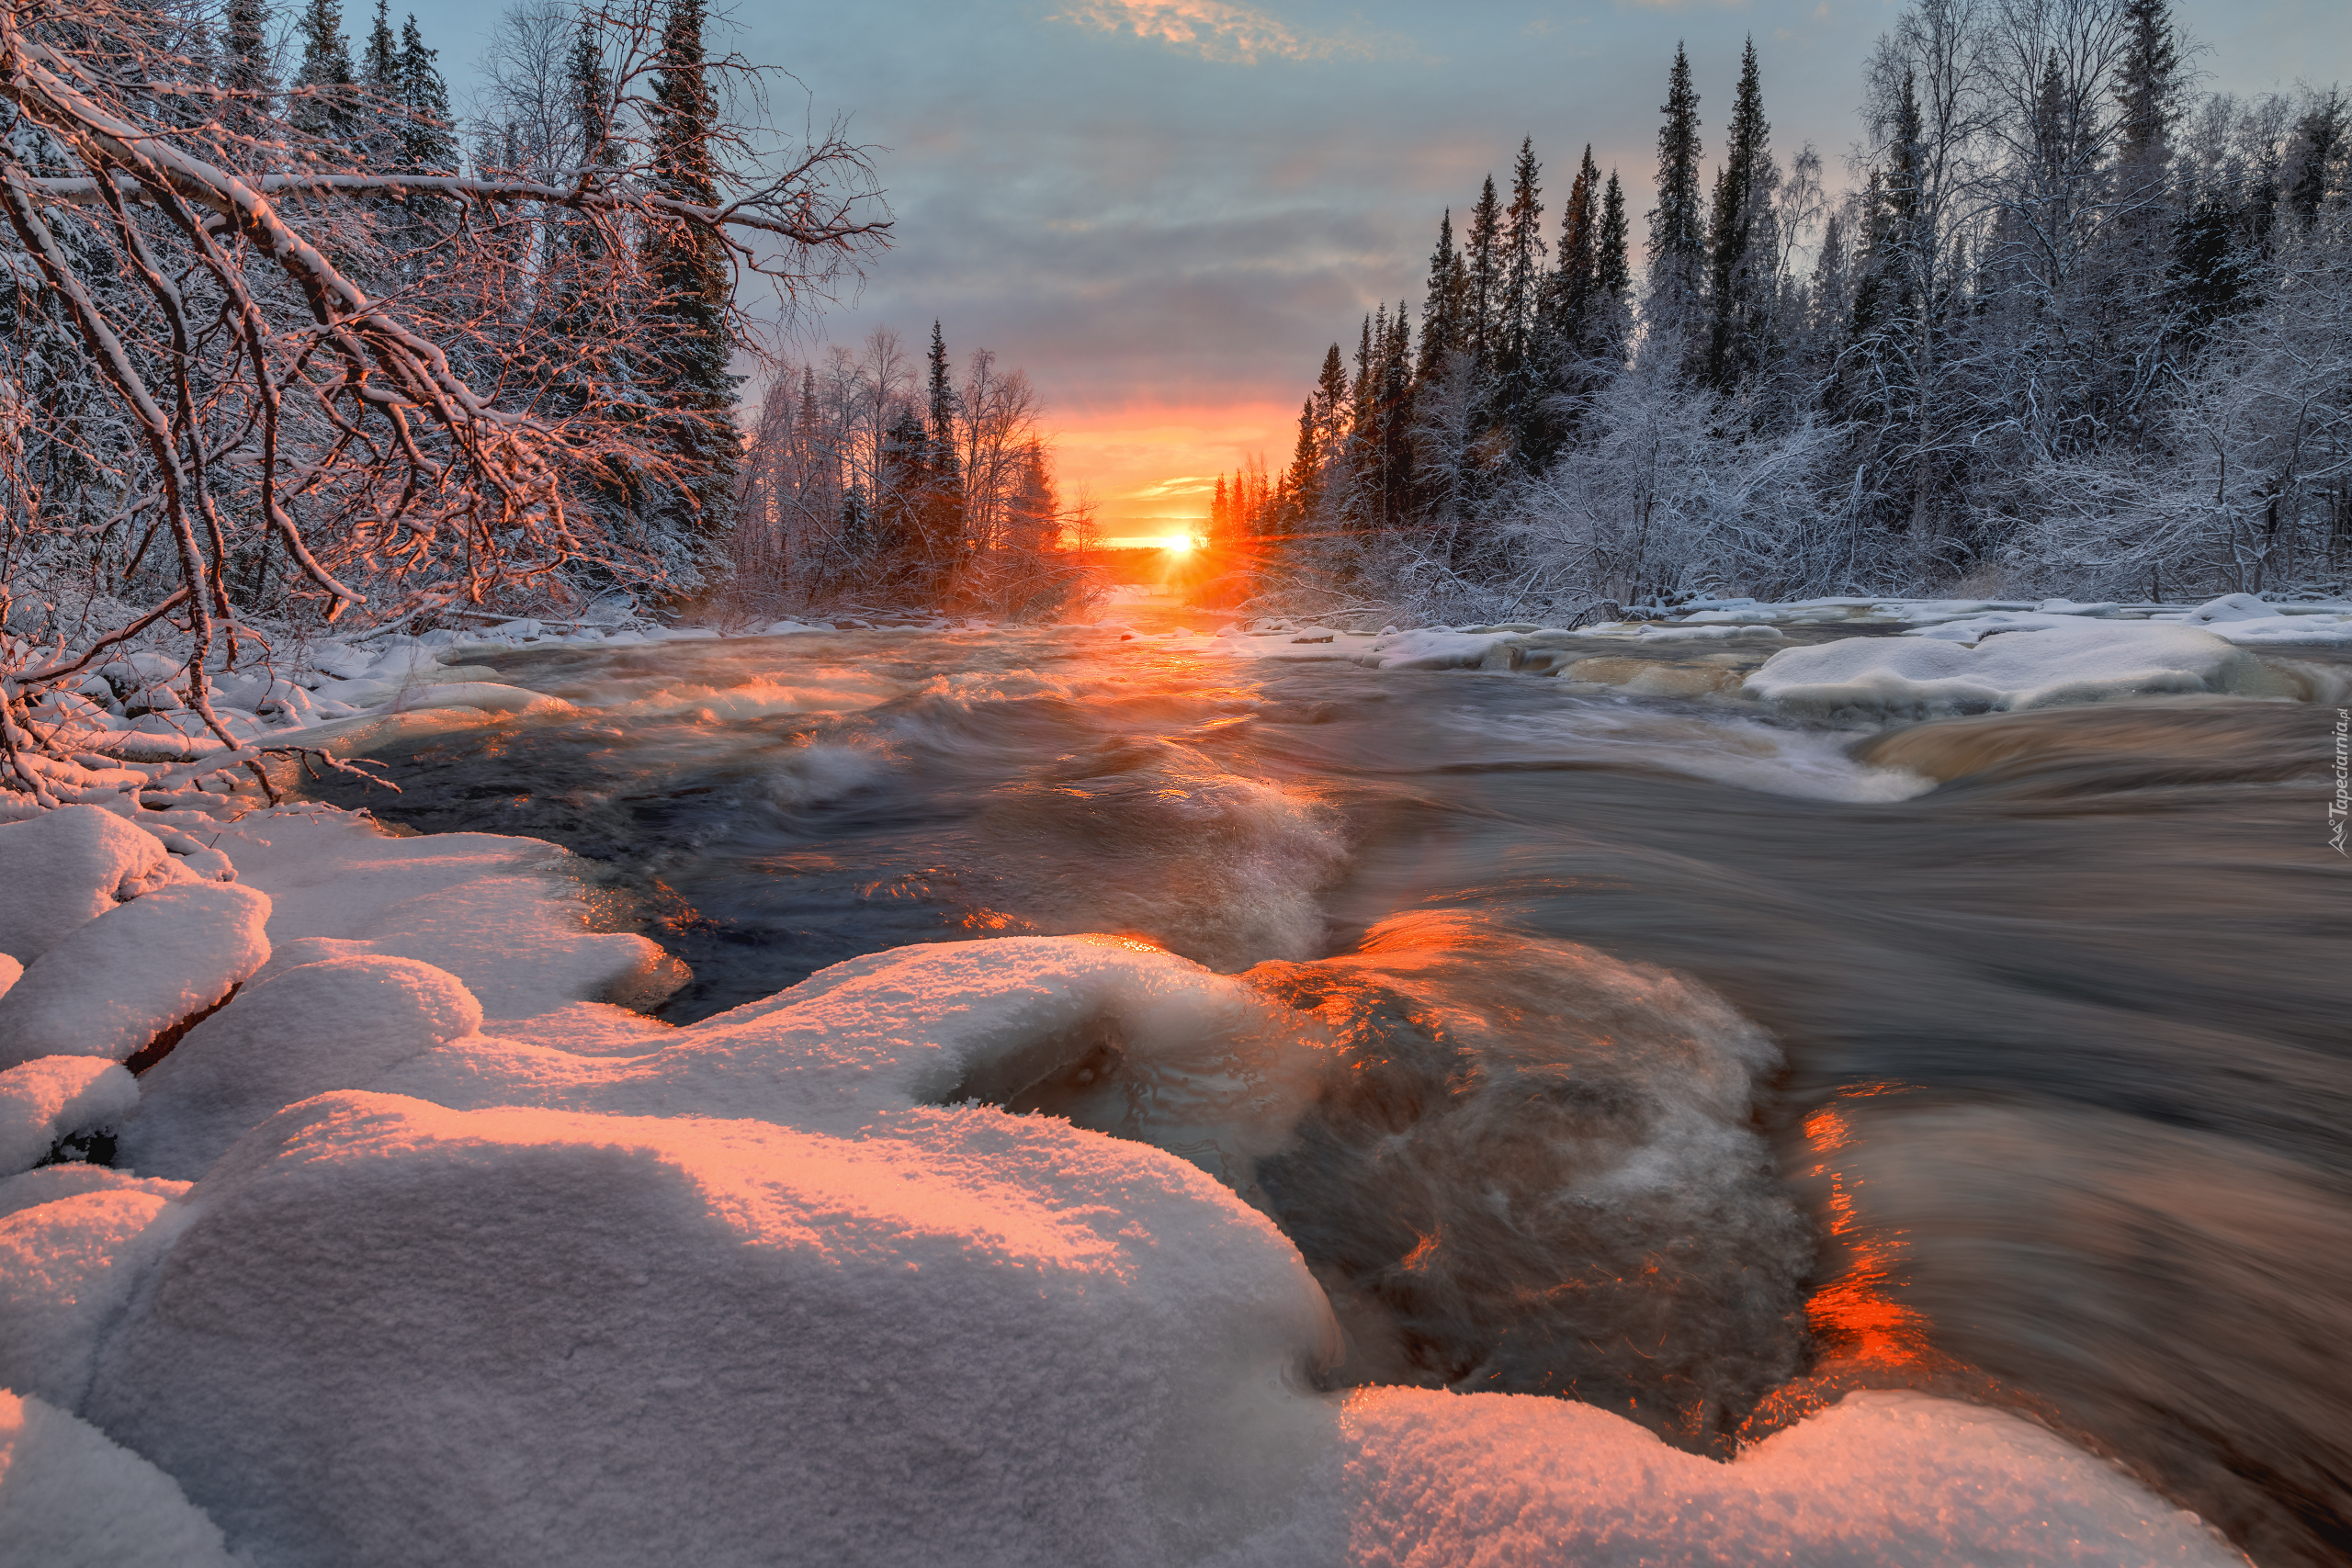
{"type": "Point", "coordinates": [56, 1097]}
{"type": "Point", "coordinates": [115, 982]}
{"type": "Point", "coordinates": [2232, 607]}
{"type": "Point", "coordinates": [67, 1271]}
{"type": "Point", "coordinates": [490, 910]}
{"type": "Point", "coordinates": [69, 1497]}
{"type": "Point", "coordinates": [52, 1182]}
{"type": "Point", "coordinates": [395, 1334]}
{"type": "Point", "coordinates": [289, 1035]}
{"type": "Point", "coordinates": [65, 868]}
{"type": "Point", "coordinates": [2072, 661]}
{"type": "Point", "coordinates": [1881, 1478]}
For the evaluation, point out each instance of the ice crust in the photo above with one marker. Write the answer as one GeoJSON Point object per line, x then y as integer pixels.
{"type": "Point", "coordinates": [476, 1268]}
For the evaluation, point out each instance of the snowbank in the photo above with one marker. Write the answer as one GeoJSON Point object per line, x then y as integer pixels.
{"type": "Point", "coordinates": [2032, 667]}
{"type": "Point", "coordinates": [494, 911]}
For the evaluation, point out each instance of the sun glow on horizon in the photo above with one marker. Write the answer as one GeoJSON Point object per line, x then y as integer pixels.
{"type": "Point", "coordinates": [1175, 544]}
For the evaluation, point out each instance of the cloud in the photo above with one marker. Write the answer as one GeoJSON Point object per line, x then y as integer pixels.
{"type": "Point", "coordinates": [1214, 29]}
{"type": "Point", "coordinates": [1184, 484]}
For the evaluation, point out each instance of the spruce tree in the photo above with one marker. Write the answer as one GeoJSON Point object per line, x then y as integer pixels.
{"type": "Point", "coordinates": [689, 336]}
{"type": "Point", "coordinates": [248, 68]}
{"type": "Point", "coordinates": [326, 110]}
{"type": "Point", "coordinates": [428, 137]}
{"type": "Point", "coordinates": [378, 112]}
{"type": "Point", "coordinates": [1677, 225]}
{"type": "Point", "coordinates": [942, 509]}
{"type": "Point", "coordinates": [1576, 282]}
{"type": "Point", "coordinates": [1302, 482]}
{"type": "Point", "coordinates": [1483, 261]}
{"type": "Point", "coordinates": [1612, 271]}
{"type": "Point", "coordinates": [1741, 288]}
{"type": "Point", "coordinates": [2146, 88]}
{"type": "Point", "coordinates": [1442, 306]}
{"type": "Point", "coordinates": [1523, 260]}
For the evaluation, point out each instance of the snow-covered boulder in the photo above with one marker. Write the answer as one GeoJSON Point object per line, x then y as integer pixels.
{"type": "Point", "coordinates": [2231, 607]}
{"type": "Point", "coordinates": [52, 1183]}
{"type": "Point", "coordinates": [1882, 1478]}
{"type": "Point", "coordinates": [290, 1035]}
{"type": "Point", "coordinates": [393, 1333]}
{"type": "Point", "coordinates": [67, 1270]}
{"type": "Point", "coordinates": [494, 911]}
{"type": "Point", "coordinates": [70, 1497]}
{"type": "Point", "coordinates": [56, 1097]}
{"type": "Point", "coordinates": [118, 981]}
{"type": "Point", "coordinates": [2070, 661]}
{"type": "Point", "coordinates": [65, 868]}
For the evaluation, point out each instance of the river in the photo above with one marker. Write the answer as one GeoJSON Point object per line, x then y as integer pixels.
{"type": "Point", "coordinates": [2033, 1086]}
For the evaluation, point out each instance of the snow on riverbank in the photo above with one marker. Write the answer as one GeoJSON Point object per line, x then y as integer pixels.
{"type": "Point", "coordinates": [472, 1267]}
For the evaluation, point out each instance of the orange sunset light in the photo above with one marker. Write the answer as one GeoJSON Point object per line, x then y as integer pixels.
{"type": "Point", "coordinates": [1152, 467]}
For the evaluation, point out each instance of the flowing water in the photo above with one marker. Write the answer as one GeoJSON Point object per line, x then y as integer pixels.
{"type": "Point", "coordinates": [1647, 1052]}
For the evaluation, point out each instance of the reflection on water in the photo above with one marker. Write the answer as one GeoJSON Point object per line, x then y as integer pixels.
{"type": "Point", "coordinates": [2057, 1062]}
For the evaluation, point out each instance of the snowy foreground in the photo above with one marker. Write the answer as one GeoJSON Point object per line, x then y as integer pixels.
{"type": "Point", "coordinates": [415, 1251]}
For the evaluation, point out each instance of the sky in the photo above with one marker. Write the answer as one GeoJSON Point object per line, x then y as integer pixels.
{"type": "Point", "coordinates": [1165, 211]}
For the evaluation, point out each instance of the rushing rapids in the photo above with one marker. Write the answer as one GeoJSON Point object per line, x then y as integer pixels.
{"type": "Point", "coordinates": [1613, 1036]}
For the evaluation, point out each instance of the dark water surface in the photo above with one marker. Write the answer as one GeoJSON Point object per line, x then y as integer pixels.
{"type": "Point", "coordinates": [2060, 1112]}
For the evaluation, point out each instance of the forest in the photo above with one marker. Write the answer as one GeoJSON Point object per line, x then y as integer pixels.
{"type": "Point", "coordinates": [2075, 328]}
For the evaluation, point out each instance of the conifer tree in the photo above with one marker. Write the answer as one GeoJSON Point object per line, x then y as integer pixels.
{"type": "Point", "coordinates": [1677, 225]}
{"type": "Point", "coordinates": [327, 111]}
{"type": "Point", "coordinates": [379, 63]}
{"type": "Point", "coordinates": [691, 336]}
{"type": "Point", "coordinates": [1741, 288]}
{"type": "Point", "coordinates": [1302, 482]}
{"type": "Point", "coordinates": [1523, 261]}
{"type": "Point", "coordinates": [247, 70]}
{"type": "Point", "coordinates": [1577, 281]}
{"type": "Point", "coordinates": [1444, 305]}
{"type": "Point", "coordinates": [379, 113]}
{"type": "Point", "coordinates": [941, 511]}
{"type": "Point", "coordinates": [1483, 261]}
{"type": "Point", "coordinates": [1613, 266]}
{"type": "Point", "coordinates": [428, 137]}
{"type": "Point", "coordinates": [2146, 86]}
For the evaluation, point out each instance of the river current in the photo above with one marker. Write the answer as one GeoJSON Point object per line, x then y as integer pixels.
{"type": "Point", "coordinates": [1648, 1050]}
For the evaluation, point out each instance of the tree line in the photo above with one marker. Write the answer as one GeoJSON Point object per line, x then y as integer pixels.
{"type": "Point", "coordinates": [2076, 328]}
